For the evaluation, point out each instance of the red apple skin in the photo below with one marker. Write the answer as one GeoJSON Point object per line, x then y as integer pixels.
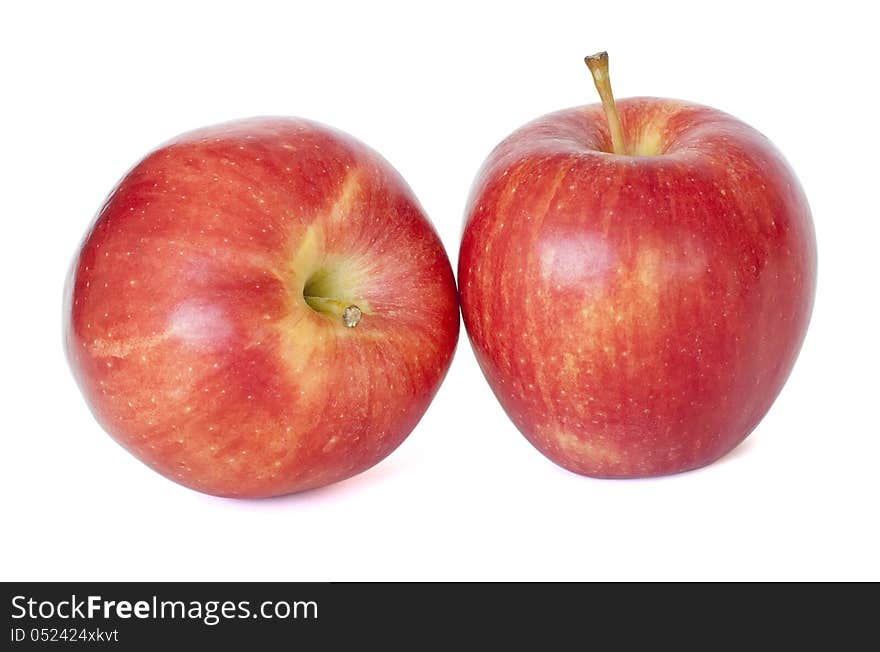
{"type": "Point", "coordinates": [188, 333]}
{"type": "Point", "coordinates": [637, 315]}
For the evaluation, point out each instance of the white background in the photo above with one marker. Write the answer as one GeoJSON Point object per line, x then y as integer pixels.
{"type": "Point", "coordinates": [88, 88]}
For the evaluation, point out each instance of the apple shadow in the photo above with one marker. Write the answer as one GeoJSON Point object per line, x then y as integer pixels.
{"type": "Point", "coordinates": [381, 472]}
{"type": "Point", "coordinates": [745, 447]}
{"type": "Point", "coordinates": [741, 450]}
{"type": "Point", "coordinates": [389, 468]}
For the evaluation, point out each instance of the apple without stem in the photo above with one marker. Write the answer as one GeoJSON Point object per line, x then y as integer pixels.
{"type": "Point", "coordinates": [636, 289]}
{"type": "Point", "coordinates": [261, 307]}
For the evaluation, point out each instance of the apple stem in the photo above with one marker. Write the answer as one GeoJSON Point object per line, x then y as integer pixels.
{"type": "Point", "coordinates": [598, 65]}
{"type": "Point", "coordinates": [349, 313]}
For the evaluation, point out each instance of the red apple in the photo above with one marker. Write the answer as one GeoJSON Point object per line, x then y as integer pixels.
{"type": "Point", "coordinates": [636, 291]}
{"type": "Point", "coordinates": [261, 307]}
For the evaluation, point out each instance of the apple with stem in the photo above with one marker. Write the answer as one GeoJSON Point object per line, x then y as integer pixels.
{"type": "Point", "coordinates": [261, 307]}
{"type": "Point", "coordinates": [636, 280]}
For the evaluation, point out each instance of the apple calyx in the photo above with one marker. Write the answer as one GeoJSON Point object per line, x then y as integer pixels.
{"type": "Point", "coordinates": [598, 65]}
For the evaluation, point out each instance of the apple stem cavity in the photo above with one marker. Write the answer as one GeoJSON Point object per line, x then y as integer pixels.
{"type": "Point", "coordinates": [598, 65]}
{"type": "Point", "coordinates": [349, 313]}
